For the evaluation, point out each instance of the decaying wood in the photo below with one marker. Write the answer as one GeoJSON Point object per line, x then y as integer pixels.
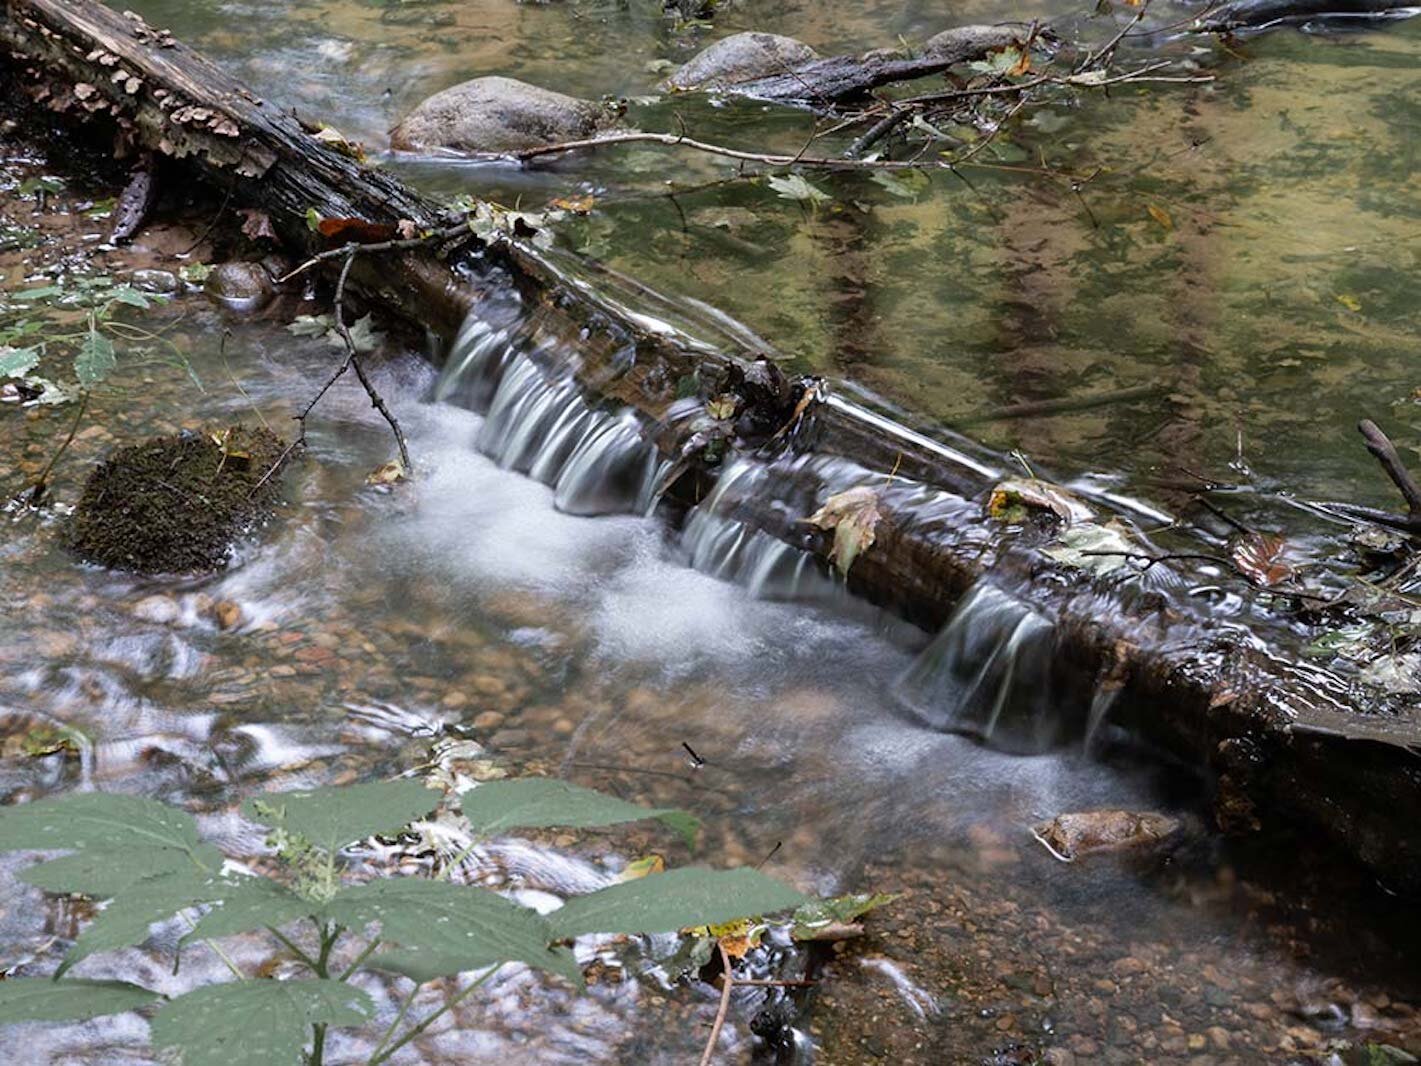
{"type": "Point", "coordinates": [1273, 731]}
{"type": "Point", "coordinates": [1384, 451]}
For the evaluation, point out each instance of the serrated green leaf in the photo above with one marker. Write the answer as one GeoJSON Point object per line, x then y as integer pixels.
{"type": "Point", "coordinates": [363, 335]}
{"type": "Point", "coordinates": [674, 900]}
{"type": "Point", "coordinates": [255, 1023]}
{"type": "Point", "coordinates": [544, 802]}
{"type": "Point", "coordinates": [310, 325]}
{"type": "Point", "coordinates": [250, 903]}
{"type": "Point", "coordinates": [334, 817]}
{"type": "Point", "coordinates": [96, 359]}
{"type": "Point", "coordinates": [42, 293]}
{"type": "Point", "coordinates": [103, 872]}
{"type": "Point", "coordinates": [96, 820]}
{"type": "Point", "coordinates": [126, 294]}
{"type": "Point", "coordinates": [794, 187]}
{"type": "Point", "coordinates": [38, 999]}
{"type": "Point", "coordinates": [17, 362]}
{"type": "Point", "coordinates": [449, 928]}
{"type": "Point", "coordinates": [126, 920]}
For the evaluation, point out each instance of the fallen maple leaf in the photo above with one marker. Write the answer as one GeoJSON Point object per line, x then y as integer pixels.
{"type": "Point", "coordinates": [853, 515]}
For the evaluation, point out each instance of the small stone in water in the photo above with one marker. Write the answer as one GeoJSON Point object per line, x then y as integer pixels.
{"type": "Point", "coordinates": [161, 610]}
{"type": "Point", "coordinates": [227, 614]}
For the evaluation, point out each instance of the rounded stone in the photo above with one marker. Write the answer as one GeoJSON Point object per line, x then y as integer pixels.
{"type": "Point", "coordinates": [497, 114]}
{"type": "Point", "coordinates": [741, 57]}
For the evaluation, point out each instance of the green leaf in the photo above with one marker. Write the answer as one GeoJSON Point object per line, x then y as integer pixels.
{"type": "Point", "coordinates": [255, 1023]}
{"type": "Point", "coordinates": [812, 917]}
{"type": "Point", "coordinates": [17, 362]}
{"type": "Point", "coordinates": [38, 999]}
{"type": "Point", "coordinates": [363, 336]}
{"type": "Point", "coordinates": [448, 928]}
{"type": "Point", "coordinates": [905, 184]}
{"type": "Point", "coordinates": [313, 219]}
{"type": "Point", "coordinates": [334, 817]}
{"type": "Point", "coordinates": [95, 360]}
{"type": "Point", "coordinates": [250, 903]}
{"type": "Point", "coordinates": [44, 293]}
{"type": "Point", "coordinates": [126, 294]}
{"type": "Point", "coordinates": [543, 802]}
{"type": "Point", "coordinates": [674, 900]}
{"type": "Point", "coordinates": [96, 820]}
{"type": "Point", "coordinates": [125, 921]}
{"type": "Point", "coordinates": [103, 872]}
{"type": "Point", "coordinates": [794, 187]}
{"type": "Point", "coordinates": [310, 325]}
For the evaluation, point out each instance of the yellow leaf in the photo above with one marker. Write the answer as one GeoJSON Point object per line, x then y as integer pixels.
{"type": "Point", "coordinates": [391, 473]}
{"type": "Point", "coordinates": [1021, 66]}
{"type": "Point", "coordinates": [737, 937]}
{"type": "Point", "coordinates": [853, 516]}
{"type": "Point", "coordinates": [721, 407]}
{"type": "Point", "coordinates": [577, 205]}
{"type": "Point", "coordinates": [644, 867]}
{"type": "Point", "coordinates": [1349, 301]}
{"type": "Point", "coordinates": [1160, 215]}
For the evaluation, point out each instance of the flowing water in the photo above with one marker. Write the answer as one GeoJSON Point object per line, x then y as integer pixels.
{"type": "Point", "coordinates": [526, 601]}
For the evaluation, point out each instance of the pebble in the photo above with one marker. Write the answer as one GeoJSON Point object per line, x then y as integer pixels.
{"type": "Point", "coordinates": [227, 614]}
{"type": "Point", "coordinates": [490, 720]}
{"type": "Point", "coordinates": [161, 610]}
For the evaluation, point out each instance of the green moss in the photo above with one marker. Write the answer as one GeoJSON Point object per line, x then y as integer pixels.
{"type": "Point", "coordinates": [177, 504]}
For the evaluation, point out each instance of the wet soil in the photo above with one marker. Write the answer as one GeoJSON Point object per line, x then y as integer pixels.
{"type": "Point", "coordinates": [177, 505]}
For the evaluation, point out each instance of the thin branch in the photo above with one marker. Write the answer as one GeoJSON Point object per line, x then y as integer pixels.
{"type": "Point", "coordinates": [728, 982]}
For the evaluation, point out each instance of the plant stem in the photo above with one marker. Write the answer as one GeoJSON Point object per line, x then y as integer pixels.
{"type": "Point", "coordinates": [399, 1017]}
{"type": "Point", "coordinates": [345, 974]}
{"type": "Point", "coordinates": [290, 946]}
{"type": "Point", "coordinates": [422, 1026]}
{"type": "Point", "coordinates": [728, 982]}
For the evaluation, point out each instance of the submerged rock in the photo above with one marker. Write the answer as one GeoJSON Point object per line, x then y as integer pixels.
{"type": "Point", "coordinates": [741, 57]}
{"type": "Point", "coordinates": [240, 286]}
{"type": "Point", "coordinates": [1069, 836]}
{"type": "Point", "coordinates": [496, 114]}
{"type": "Point", "coordinates": [176, 504]}
{"type": "Point", "coordinates": [962, 43]}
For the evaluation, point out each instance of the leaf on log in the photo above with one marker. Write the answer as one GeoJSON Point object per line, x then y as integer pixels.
{"type": "Point", "coordinates": [355, 230]}
{"type": "Point", "coordinates": [853, 516]}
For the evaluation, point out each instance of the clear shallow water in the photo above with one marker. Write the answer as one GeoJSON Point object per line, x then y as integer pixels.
{"type": "Point", "coordinates": [1266, 300]}
{"type": "Point", "coordinates": [586, 647]}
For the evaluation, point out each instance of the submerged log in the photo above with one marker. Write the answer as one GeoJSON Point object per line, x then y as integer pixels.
{"type": "Point", "coordinates": [1285, 742]}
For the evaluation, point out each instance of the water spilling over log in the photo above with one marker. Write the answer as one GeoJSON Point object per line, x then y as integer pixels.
{"type": "Point", "coordinates": [594, 385]}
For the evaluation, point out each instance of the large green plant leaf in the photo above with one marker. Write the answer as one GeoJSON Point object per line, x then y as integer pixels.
{"type": "Point", "coordinates": [38, 999]}
{"type": "Point", "coordinates": [255, 1023]}
{"type": "Point", "coordinates": [17, 362]}
{"type": "Point", "coordinates": [251, 903]}
{"type": "Point", "coordinates": [96, 820]}
{"type": "Point", "coordinates": [104, 872]}
{"type": "Point", "coordinates": [664, 902]}
{"type": "Point", "coordinates": [334, 817]}
{"type": "Point", "coordinates": [541, 802]}
{"type": "Point", "coordinates": [125, 921]}
{"type": "Point", "coordinates": [96, 359]}
{"type": "Point", "coordinates": [448, 928]}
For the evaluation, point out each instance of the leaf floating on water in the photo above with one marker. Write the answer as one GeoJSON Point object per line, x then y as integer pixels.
{"type": "Point", "coordinates": [576, 205]}
{"type": "Point", "coordinates": [644, 867]}
{"type": "Point", "coordinates": [835, 918]}
{"type": "Point", "coordinates": [1161, 216]}
{"type": "Point", "coordinates": [853, 516]}
{"type": "Point", "coordinates": [794, 187]}
{"type": "Point", "coordinates": [391, 473]}
{"type": "Point", "coordinates": [311, 325]}
{"type": "Point", "coordinates": [1261, 557]}
{"type": "Point", "coordinates": [1013, 500]}
{"type": "Point", "coordinates": [1100, 549]}
{"type": "Point", "coordinates": [1347, 300]}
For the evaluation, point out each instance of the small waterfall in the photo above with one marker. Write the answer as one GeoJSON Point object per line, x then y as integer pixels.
{"type": "Point", "coordinates": [726, 548]}
{"type": "Point", "coordinates": [988, 673]}
{"type": "Point", "coordinates": [539, 424]}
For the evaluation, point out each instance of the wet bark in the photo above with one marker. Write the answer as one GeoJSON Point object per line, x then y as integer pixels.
{"type": "Point", "coordinates": [1280, 738]}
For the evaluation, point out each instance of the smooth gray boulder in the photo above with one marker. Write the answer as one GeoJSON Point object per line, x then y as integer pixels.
{"type": "Point", "coordinates": [962, 43]}
{"type": "Point", "coordinates": [741, 57]}
{"type": "Point", "coordinates": [496, 114]}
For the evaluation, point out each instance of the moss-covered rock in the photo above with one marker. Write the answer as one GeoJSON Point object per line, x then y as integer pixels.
{"type": "Point", "coordinates": [177, 504]}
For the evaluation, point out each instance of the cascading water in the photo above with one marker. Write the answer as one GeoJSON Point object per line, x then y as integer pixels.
{"type": "Point", "coordinates": [724, 547]}
{"type": "Point", "coordinates": [988, 673]}
{"type": "Point", "coordinates": [538, 423]}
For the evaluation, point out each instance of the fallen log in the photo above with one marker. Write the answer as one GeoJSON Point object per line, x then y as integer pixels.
{"type": "Point", "coordinates": [1287, 743]}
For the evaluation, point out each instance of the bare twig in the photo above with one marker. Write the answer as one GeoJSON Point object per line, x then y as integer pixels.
{"type": "Point", "coordinates": [728, 982]}
{"type": "Point", "coordinates": [1380, 445]}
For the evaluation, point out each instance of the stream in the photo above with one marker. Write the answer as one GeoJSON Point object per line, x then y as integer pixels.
{"type": "Point", "coordinates": [524, 603]}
